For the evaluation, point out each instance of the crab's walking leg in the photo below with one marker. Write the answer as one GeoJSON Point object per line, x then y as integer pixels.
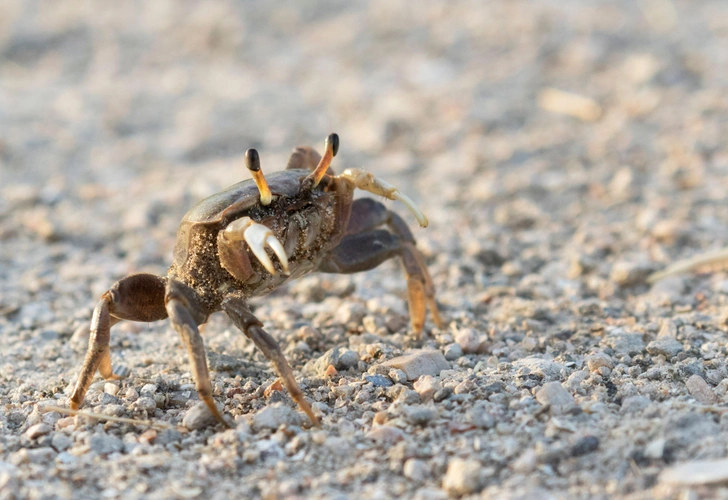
{"type": "Point", "coordinates": [185, 313]}
{"type": "Point", "coordinates": [139, 297]}
{"type": "Point", "coordinates": [367, 182]}
{"type": "Point", "coordinates": [240, 314]}
{"type": "Point", "coordinates": [716, 258]}
{"type": "Point", "coordinates": [364, 248]}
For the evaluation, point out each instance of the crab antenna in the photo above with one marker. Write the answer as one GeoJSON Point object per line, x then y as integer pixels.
{"type": "Point", "coordinates": [332, 147]}
{"type": "Point", "coordinates": [252, 162]}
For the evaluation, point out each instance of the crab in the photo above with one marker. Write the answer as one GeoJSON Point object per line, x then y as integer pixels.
{"type": "Point", "coordinates": [252, 238]}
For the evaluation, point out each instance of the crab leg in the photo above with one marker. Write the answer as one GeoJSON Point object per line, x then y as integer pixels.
{"type": "Point", "coordinates": [714, 258]}
{"type": "Point", "coordinates": [258, 237]}
{"type": "Point", "coordinates": [367, 182]}
{"type": "Point", "coordinates": [240, 314]}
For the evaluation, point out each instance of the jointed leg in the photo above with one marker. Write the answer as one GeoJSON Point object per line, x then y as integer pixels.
{"type": "Point", "coordinates": [364, 248]}
{"type": "Point", "coordinates": [139, 297]}
{"type": "Point", "coordinates": [240, 314]}
{"type": "Point", "coordinates": [185, 313]}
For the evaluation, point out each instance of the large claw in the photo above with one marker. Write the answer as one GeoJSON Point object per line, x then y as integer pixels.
{"type": "Point", "coordinates": [367, 182]}
{"type": "Point", "coordinates": [258, 237]}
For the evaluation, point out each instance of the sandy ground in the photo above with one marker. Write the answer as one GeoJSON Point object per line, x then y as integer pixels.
{"type": "Point", "coordinates": [562, 150]}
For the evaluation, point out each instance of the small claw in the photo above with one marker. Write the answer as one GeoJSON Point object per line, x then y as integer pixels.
{"type": "Point", "coordinates": [258, 236]}
{"type": "Point", "coordinates": [280, 252]}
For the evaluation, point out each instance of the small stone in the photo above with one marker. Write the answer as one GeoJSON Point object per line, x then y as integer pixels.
{"type": "Point", "coordinates": [339, 358]}
{"type": "Point", "coordinates": [699, 389]}
{"type": "Point", "coordinates": [350, 313]}
{"type": "Point", "coordinates": [597, 361]}
{"type": "Point", "coordinates": [426, 386]}
{"type": "Point", "coordinates": [548, 369]}
{"type": "Point", "coordinates": [463, 477]}
{"type": "Point", "coordinates": [61, 441]}
{"type": "Point", "coordinates": [416, 470]}
{"type": "Point", "coordinates": [630, 273]}
{"type": "Point", "coordinates": [378, 380]}
{"type": "Point", "coordinates": [453, 352]}
{"type": "Point", "coordinates": [148, 390]}
{"type": "Point", "coordinates": [585, 446]}
{"type": "Point", "coordinates": [38, 430]}
{"type": "Point", "coordinates": [468, 339]}
{"type": "Point", "coordinates": [696, 472]}
{"type": "Point", "coordinates": [385, 434]}
{"type": "Point", "coordinates": [479, 417]}
{"type": "Point", "coordinates": [397, 376]}
{"type": "Point", "coordinates": [554, 395]}
{"type": "Point", "coordinates": [464, 387]}
{"type": "Point", "coordinates": [273, 416]}
{"type": "Point", "coordinates": [666, 346]}
{"type": "Point", "coordinates": [633, 404]}
{"type": "Point", "coordinates": [110, 388]}
{"type": "Point", "coordinates": [623, 342]}
{"type": "Point", "coordinates": [145, 404]}
{"type": "Point", "coordinates": [668, 329]}
{"type": "Point", "coordinates": [104, 444]}
{"type": "Point", "coordinates": [198, 417]}
{"type": "Point", "coordinates": [419, 414]}
{"type": "Point", "coordinates": [418, 363]}
{"type": "Point", "coordinates": [219, 363]}
{"type": "Point", "coordinates": [527, 462]}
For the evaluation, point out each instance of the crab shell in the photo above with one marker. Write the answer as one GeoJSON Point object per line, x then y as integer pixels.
{"type": "Point", "coordinates": [308, 221]}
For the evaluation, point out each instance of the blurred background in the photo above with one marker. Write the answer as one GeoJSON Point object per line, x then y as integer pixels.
{"type": "Point", "coordinates": [562, 149]}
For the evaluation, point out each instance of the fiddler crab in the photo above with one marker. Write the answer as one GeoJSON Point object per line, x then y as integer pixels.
{"type": "Point", "coordinates": [252, 238]}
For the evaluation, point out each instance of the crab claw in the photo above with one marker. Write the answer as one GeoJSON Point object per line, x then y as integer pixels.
{"type": "Point", "coordinates": [258, 237]}
{"type": "Point", "coordinates": [367, 182]}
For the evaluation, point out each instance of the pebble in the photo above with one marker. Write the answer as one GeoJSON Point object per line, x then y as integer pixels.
{"type": "Point", "coordinates": [339, 358]}
{"type": "Point", "coordinates": [597, 361]}
{"type": "Point", "coordinates": [61, 441]}
{"type": "Point", "coordinates": [38, 430]}
{"type": "Point", "coordinates": [623, 342]}
{"type": "Point", "coordinates": [479, 417]}
{"type": "Point", "coordinates": [378, 380]}
{"type": "Point", "coordinates": [526, 463]}
{"type": "Point", "coordinates": [198, 417]}
{"type": "Point", "coordinates": [397, 376]}
{"type": "Point", "coordinates": [386, 434]}
{"type": "Point", "coordinates": [104, 444]}
{"type": "Point", "coordinates": [148, 390]}
{"type": "Point", "coordinates": [350, 313]}
{"type": "Point", "coordinates": [548, 369]}
{"type": "Point", "coordinates": [584, 446]}
{"type": "Point", "coordinates": [634, 404]}
{"type": "Point", "coordinates": [418, 363]}
{"type": "Point", "coordinates": [111, 388]}
{"type": "Point", "coordinates": [453, 352]}
{"type": "Point", "coordinates": [145, 404]}
{"type": "Point", "coordinates": [426, 386]}
{"type": "Point", "coordinates": [630, 273]}
{"type": "Point", "coordinates": [468, 339]}
{"type": "Point", "coordinates": [554, 395]}
{"type": "Point", "coordinates": [666, 346]}
{"type": "Point", "coordinates": [273, 416]}
{"type": "Point", "coordinates": [419, 414]}
{"type": "Point", "coordinates": [416, 470]}
{"type": "Point", "coordinates": [700, 390]}
{"type": "Point", "coordinates": [695, 473]}
{"type": "Point", "coordinates": [463, 477]}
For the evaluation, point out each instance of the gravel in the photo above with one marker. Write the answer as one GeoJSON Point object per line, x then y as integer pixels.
{"type": "Point", "coordinates": [562, 152]}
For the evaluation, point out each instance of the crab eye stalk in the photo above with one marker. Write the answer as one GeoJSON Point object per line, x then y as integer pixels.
{"type": "Point", "coordinates": [252, 162]}
{"type": "Point", "coordinates": [332, 147]}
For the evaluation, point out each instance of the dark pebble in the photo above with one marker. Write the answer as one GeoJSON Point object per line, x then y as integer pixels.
{"type": "Point", "coordinates": [585, 446]}
{"type": "Point", "coordinates": [378, 380]}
